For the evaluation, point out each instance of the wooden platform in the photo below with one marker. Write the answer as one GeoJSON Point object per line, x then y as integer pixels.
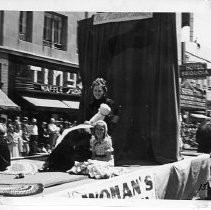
{"type": "Point", "coordinates": [166, 176]}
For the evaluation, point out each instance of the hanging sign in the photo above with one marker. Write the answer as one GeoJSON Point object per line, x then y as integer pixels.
{"type": "Point", "coordinates": [194, 70]}
{"type": "Point", "coordinates": [138, 184]}
{"type": "Point", "coordinates": [107, 17]}
{"type": "Point", "coordinates": [190, 98]}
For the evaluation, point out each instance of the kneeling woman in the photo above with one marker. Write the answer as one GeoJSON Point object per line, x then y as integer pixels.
{"type": "Point", "coordinates": [102, 163]}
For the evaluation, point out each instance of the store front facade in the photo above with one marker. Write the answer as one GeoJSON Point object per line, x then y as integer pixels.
{"type": "Point", "coordinates": [44, 88]}
{"type": "Point", "coordinates": [193, 102]}
{"type": "Point", "coordinates": [192, 97]}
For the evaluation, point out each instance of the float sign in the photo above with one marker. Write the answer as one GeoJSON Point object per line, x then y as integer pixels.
{"type": "Point", "coordinates": [130, 185]}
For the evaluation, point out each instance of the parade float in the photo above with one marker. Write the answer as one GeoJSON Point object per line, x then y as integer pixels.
{"type": "Point", "coordinates": [137, 54]}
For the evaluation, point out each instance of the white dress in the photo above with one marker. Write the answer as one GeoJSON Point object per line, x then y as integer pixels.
{"type": "Point", "coordinates": [102, 166]}
{"type": "Point", "coordinates": [13, 140]}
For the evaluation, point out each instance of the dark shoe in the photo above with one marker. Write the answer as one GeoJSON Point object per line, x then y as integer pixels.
{"type": "Point", "coordinates": [19, 176]}
{"type": "Point", "coordinates": [44, 168]}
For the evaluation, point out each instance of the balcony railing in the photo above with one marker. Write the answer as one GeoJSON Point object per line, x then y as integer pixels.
{"type": "Point", "coordinates": [53, 45]}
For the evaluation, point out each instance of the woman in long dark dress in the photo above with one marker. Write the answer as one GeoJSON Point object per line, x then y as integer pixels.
{"type": "Point", "coordinates": [4, 149]}
{"type": "Point", "coordinates": [75, 145]}
{"type": "Point", "coordinates": [63, 156]}
{"type": "Point", "coordinates": [99, 90]}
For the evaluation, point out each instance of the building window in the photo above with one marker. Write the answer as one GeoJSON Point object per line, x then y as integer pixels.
{"type": "Point", "coordinates": [208, 81]}
{"type": "Point", "coordinates": [1, 84]}
{"type": "Point", "coordinates": [25, 26]}
{"type": "Point", "coordinates": [0, 71]}
{"type": "Point", "coordinates": [55, 31]}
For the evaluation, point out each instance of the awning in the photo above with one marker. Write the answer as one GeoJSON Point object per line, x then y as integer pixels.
{"type": "Point", "coordinates": [199, 112]}
{"type": "Point", "coordinates": [6, 104]}
{"type": "Point", "coordinates": [72, 104]}
{"type": "Point", "coordinates": [41, 102]}
{"type": "Point", "coordinates": [201, 116]}
{"type": "Point", "coordinates": [52, 103]}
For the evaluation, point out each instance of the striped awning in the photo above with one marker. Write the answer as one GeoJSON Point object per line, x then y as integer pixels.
{"type": "Point", "coordinates": [72, 104]}
{"type": "Point", "coordinates": [201, 116]}
{"type": "Point", "coordinates": [52, 103]}
{"type": "Point", "coordinates": [6, 104]}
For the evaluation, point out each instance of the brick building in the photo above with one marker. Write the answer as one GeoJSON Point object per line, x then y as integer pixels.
{"type": "Point", "coordinates": [39, 62]}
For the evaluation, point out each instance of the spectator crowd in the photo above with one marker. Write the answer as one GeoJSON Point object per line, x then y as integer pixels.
{"type": "Point", "coordinates": [27, 137]}
{"type": "Point", "coordinates": [188, 135]}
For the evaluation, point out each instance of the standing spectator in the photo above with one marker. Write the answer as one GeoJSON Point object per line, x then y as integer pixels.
{"type": "Point", "coordinates": [61, 125]}
{"type": "Point", "coordinates": [44, 135]}
{"type": "Point", "coordinates": [25, 136]}
{"type": "Point", "coordinates": [4, 150]}
{"type": "Point", "coordinates": [33, 143]}
{"type": "Point", "coordinates": [18, 132]}
{"type": "Point", "coordinates": [74, 124]}
{"type": "Point", "coordinates": [10, 130]}
{"type": "Point", "coordinates": [66, 124]}
{"type": "Point", "coordinates": [48, 148]}
{"type": "Point", "coordinates": [13, 139]}
{"type": "Point", "coordinates": [17, 119]}
{"type": "Point", "coordinates": [3, 121]}
{"type": "Point", "coordinates": [53, 130]}
{"type": "Point", "coordinates": [61, 121]}
{"type": "Point", "coordinates": [9, 122]}
{"type": "Point", "coordinates": [42, 148]}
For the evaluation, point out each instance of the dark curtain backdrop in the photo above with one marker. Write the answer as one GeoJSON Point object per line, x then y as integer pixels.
{"type": "Point", "coordinates": [139, 61]}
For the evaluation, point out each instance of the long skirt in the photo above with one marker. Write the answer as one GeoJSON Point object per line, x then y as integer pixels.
{"type": "Point", "coordinates": [96, 169]}
{"type": "Point", "coordinates": [53, 139]}
{"type": "Point", "coordinates": [64, 155]}
{"type": "Point", "coordinates": [14, 150]}
{"type": "Point", "coordinates": [4, 155]}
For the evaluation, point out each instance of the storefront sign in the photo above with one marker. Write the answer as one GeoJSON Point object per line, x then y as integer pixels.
{"type": "Point", "coordinates": [107, 17]}
{"type": "Point", "coordinates": [192, 99]}
{"type": "Point", "coordinates": [35, 78]}
{"type": "Point", "coordinates": [51, 88]}
{"type": "Point", "coordinates": [132, 185]}
{"type": "Point", "coordinates": [59, 89]}
{"type": "Point", "coordinates": [194, 70]}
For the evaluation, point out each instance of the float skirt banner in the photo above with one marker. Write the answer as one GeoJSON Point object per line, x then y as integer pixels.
{"type": "Point", "coordinates": [182, 180]}
{"type": "Point", "coordinates": [130, 185]}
